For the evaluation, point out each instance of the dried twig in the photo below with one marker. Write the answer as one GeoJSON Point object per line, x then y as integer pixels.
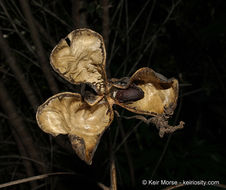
{"type": "Point", "coordinates": [129, 158]}
{"type": "Point", "coordinates": [113, 178]}
{"type": "Point", "coordinates": [79, 14]}
{"type": "Point", "coordinates": [113, 175]}
{"type": "Point", "coordinates": [105, 29]}
{"type": "Point", "coordinates": [19, 73]}
{"type": "Point", "coordinates": [154, 35]}
{"type": "Point", "coordinates": [40, 51]}
{"type": "Point", "coordinates": [182, 185]}
{"type": "Point", "coordinates": [12, 22]}
{"type": "Point", "coordinates": [27, 164]}
{"type": "Point", "coordinates": [34, 178]}
{"type": "Point", "coordinates": [105, 22]}
{"type": "Point", "coordinates": [173, 187]}
{"type": "Point", "coordinates": [18, 125]}
{"type": "Point", "coordinates": [127, 136]}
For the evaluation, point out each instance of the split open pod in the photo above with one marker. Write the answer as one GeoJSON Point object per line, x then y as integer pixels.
{"type": "Point", "coordinates": [80, 59]}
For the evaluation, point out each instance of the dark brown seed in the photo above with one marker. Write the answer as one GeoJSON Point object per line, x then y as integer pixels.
{"type": "Point", "coordinates": [132, 93]}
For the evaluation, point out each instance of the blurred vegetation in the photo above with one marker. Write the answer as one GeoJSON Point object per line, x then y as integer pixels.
{"type": "Point", "coordinates": [182, 39]}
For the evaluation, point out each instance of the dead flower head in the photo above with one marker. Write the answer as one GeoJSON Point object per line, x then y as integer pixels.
{"type": "Point", "coordinates": [80, 58]}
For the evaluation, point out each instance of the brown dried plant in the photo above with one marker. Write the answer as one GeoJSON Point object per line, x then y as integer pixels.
{"type": "Point", "coordinates": [80, 59]}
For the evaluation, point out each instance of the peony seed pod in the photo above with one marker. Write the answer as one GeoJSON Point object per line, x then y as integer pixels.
{"type": "Point", "coordinates": [80, 58]}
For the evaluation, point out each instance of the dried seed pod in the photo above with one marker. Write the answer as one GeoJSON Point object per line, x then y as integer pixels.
{"type": "Point", "coordinates": [159, 93]}
{"type": "Point", "coordinates": [80, 58]}
{"type": "Point", "coordinates": [66, 113]}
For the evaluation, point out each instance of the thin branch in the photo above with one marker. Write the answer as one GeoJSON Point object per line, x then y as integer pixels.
{"type": "Point", "coordinates": [16, 10]}
{"type": "Point", "coordinates": [138, 16]}
{"type": "Point", "coordinates": [147, 23]}
{"type": "Point", "coordinates": [113, 175]}
{"type": "Point", "coordinates": [27, 164]}
{"type": "Point", "coordinates": [40, 51]}
{"type": "Point", "coordinates": [22, 158]}
{"type": "Point", "coordinates": [19, 73]}
{"type": "Point", "coordinates": [45, 33]}
{"type": "Point", "coordinates": [173, 187]}
{"type": "Point", "coordinates": [113, 49]}
{"type": "Point", "coordinates": [6, 72]}
{"type": "Point", "coordinates": [105, 22]}
{"type": "Point", "coordinates": [105, 28]}
{"type": "Point", "coordinates": [19, 52]}
{"type": "Point", "coordinates": [15, 28]}
{"type": "Point", "coordinates": [103, 187]}
{"type": "Point", "coordinates": [221, 186]}
{"type": "Point", "coordinates": [127, 36]}
{"type": "Point", "coordinates": [18, 125]}
{"type": "Point", "coordinates": [113, 179]}
{"type": "Point", "coordinates": [129, 158]}
{"type": "Point", "coordinates": [127, 136]}
{"type": "Point", "coordinates": [79, 13]}
{"type": "Point", "coordinates": [51, 13]}
{"type": "Point", "coordinates": [154, 36]}
{"type": "Point", "coordinates": [75, 12]}
{"type": "Point", "coordinates": [34, 178]}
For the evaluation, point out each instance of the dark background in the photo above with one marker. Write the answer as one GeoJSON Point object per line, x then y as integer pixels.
{"type": "Point", "coordinates": [182, 39]}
